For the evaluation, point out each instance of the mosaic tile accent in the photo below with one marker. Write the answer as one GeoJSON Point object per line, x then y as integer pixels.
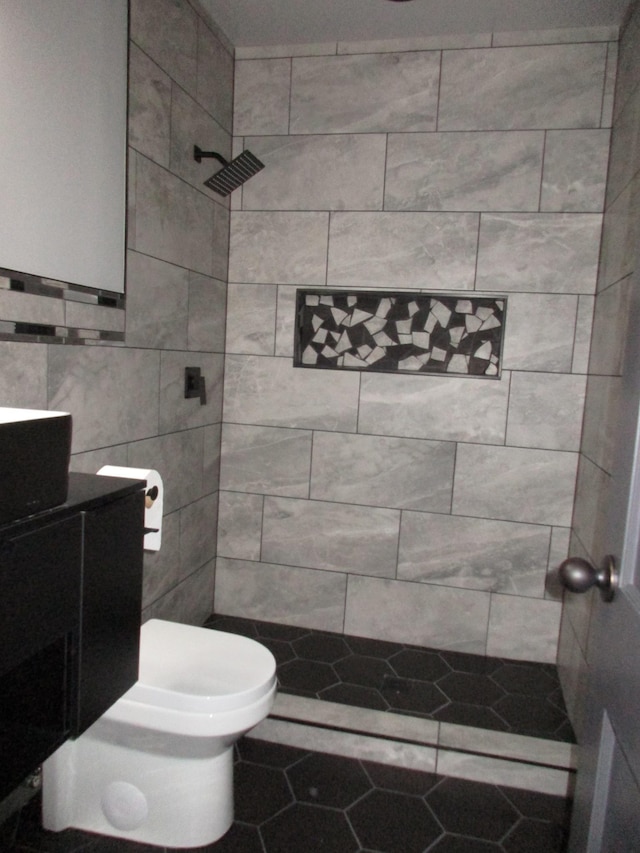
{"type": "Point", "coordinates": [394, 332]}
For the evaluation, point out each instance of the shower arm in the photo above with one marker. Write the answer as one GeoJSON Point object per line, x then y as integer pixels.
{"type": "Point", "coordinates": [199, 154]}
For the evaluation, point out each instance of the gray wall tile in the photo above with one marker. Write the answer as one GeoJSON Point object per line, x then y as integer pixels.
{"type": "Point", "coordinates": [551, 86]}
{"type": "Point", "coordinates": [332, 172]}
{"type": "Point", "coordinates": [269, 391]}
{"type": "Point", "coordinates": [286, 594]}
{"type": "Point", "coordinates": [174, 222]}
{"type": "Point", "coordinates": [261, 92]}
{"type": "Point", "coordinates": [542, 410]}
{"type": "Point", "coordinates": [149, 107]}
{"type": "Point", "coordinates": [23, 375]}
{"type": "Point", "coordinates": [441, 407]}
{"type": "Point", "coordinates": [464, 171]}
{"type": "Point", "coordinates": [473, 553]}
{"type": "Point", "coordinates": [550, 252]}
{"type": "Point", "coordinates": [368, 93]}
{"type": "Point", "coordinates": [251, 318]}
{"type": "Point", "coordinates": [575, 170]}
{"type": "Point", "coordinates": [239, 525]}
{"type": "Point", "coordinates": [266, 460]}
{"type": "Point", "coordinates": [215, 76]}
{"type": "Point", "coordinates": [157, 303]}
{"type": "Point", "coordinates": [382, 471]}
{"type": "Point", "coordinates": [539, 332]}
{"type": "Point", "coordinates": [515, 484]}
{"type": "Point", "coordinates": [279, 248]}
{"type": "Point", "coordinates": [523, 629]}
{"type": "Point", "coordinates": [333, 537]}
{"type": "Point", "coordinates": [177, 457]}
{"type": "Point", "coordinates": [419, 614]}
{"type": "Point", "coordinates": [111, 393]}
{"type": "Point", "coordinates": [207, 306]}
{"type": "Point", "coordinates": [167, 30]}
{"type": "Point", "coordinates": [436, 251]}
{"type": "Point", "coordinates": [190, 602]}
{"type": "Point", "coordinates": [198, 529]}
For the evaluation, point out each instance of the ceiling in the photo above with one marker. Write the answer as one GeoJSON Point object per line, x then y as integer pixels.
{"type": "Point", "coordinates": [271, 22]}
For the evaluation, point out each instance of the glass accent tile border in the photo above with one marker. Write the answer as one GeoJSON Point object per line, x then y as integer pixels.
{"type": "Point", "coordinates": [400, 332]}
{"type": "Point", "coordinates": [44, 310]}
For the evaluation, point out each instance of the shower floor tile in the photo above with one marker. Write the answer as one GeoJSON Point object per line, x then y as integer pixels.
{"type": "Point", "coordinates": [452, 687]}
{"type": "Point", "coordinates": [291, 800]}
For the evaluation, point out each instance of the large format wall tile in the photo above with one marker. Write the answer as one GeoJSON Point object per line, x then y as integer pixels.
{"type": "Point", "coordinates": [271, 392]}
{"type": "Point", "coordinates": [436, 251]}
{"type": "Point", "coordinates": [551, 86]}
{"type": "Point", "coordinates": [23, 375]}
{"type": "Point", "coordinates": [157, 303]}
{"type": "Point", "coordinates": [539, 332]}
{"type": "Point", "coordinates": [266, 460]}
{"type": "Point", "coordinates": [368, 93]}
{"type": "Point", "coordinates": [382, 471]}
{"type": "Point", "coordinates": [261, 95]}
{"type": "Point", "coordinates": [473, 553]}
{"type": "Point", "coordinates": [286, 594]}
{"type": "Point", "coordinates": [173, 221]}
{"type": "Point", "coordinates": [149, 107]}
{"type": "Point", "coordinates": [168, 32]}
{"type": "Point", "coordinates": [515, 484]}
{"type": "Point", "coordinates": [112, 393]}
{"type": "Point", "coordinates": [444, 408]}
{"type": "Point", "coordinates": [334, 537]}
{"type": "Point", "coordinates": [542, 410]}
{"type": "Point", "coordinates": [523, 629]}
{"type": "Point", "coordinates": [215, 76]}
{"type": "Point", "coordinates": [251, 318]}
{"type": "Point", "coordinates": [198, 531]}
{"type": "Point", "coordinates": [239, 525]}
{"type": "Point", "coordinates": [464, 171]}
{"type": "Point", "coordinates": [278, 248]}
{"type": "Point", "coordinates": [419, 614]}
{"type": "Point", "coordinates": [207, 301]}
{"type": "Point", "coordinates": [543, 252]}
{"type": "Point", "coordinates": [575, 170]}
{"type": "Point", "coordinates": [331, 172]}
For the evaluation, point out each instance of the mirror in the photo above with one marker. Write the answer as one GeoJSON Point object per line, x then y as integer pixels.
{"type": "Point", "coordinates": [63, 101]}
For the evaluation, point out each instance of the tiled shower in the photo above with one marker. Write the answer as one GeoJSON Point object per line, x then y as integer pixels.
{"type": "Point", "coordinates": [418, 509]}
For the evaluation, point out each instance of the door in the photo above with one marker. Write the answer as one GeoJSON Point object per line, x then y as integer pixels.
{"type": "Point", "coordinates": [606, 816]}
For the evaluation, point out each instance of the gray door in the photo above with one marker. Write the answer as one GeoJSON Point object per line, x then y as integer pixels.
{"type": "Point", "coordinates": [606, 815]}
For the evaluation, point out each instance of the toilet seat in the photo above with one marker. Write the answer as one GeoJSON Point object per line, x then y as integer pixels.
{"type": "Point", "coordinates": [196, 681]}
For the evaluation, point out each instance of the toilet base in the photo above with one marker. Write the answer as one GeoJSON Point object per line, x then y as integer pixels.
{"type": "Point", "coordinates": [138, 795]}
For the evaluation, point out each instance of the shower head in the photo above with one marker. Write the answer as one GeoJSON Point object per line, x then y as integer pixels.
{"type": "Point", "coordinates": [233, 174]}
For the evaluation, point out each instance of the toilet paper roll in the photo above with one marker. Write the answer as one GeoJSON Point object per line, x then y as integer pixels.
{"type": "Point", "coordinates": [153, 500]}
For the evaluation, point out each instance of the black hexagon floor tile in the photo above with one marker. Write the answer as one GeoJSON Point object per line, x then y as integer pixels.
{"type": "Point", "coordinates": [493, 693]}
{"type": "Point", "coordinates": [291, 800]}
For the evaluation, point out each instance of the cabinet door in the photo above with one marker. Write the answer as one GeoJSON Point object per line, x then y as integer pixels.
{"type": "Point", "coordinates": [39, 580]}
{"type": "Point", "coordinates": [111, 604]}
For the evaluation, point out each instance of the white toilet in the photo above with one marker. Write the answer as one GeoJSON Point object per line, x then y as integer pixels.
{"type": "Point", "coordinates": [157, 767]}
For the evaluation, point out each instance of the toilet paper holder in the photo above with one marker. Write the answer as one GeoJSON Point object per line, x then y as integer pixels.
{"type": "Point", "coordinates": [153, 500]}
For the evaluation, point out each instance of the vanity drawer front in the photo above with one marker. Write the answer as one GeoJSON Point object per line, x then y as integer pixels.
{"type": "Point", "coordinates": [39, 589]}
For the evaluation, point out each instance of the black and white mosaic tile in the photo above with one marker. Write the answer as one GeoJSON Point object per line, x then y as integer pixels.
{"type": "Point", "coordinates": [397, 332]}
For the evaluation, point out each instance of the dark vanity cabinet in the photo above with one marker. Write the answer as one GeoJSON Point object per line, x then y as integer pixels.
{"type": "Point", "coordinates": [70, 602]}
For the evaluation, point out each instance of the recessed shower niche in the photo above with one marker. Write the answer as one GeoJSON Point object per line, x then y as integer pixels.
{"type": "Point", "coordinates": [400, 332]}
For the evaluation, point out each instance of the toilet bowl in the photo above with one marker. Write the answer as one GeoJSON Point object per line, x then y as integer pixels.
{"type": "Point", "coordinates": [157, 767]}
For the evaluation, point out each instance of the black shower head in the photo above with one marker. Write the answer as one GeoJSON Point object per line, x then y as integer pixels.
{"type": "Point", "coordinates": [233, 174]}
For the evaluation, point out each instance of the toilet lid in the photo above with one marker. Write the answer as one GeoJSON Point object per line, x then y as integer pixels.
{"type": "Point", "coordinates": [201, 670]}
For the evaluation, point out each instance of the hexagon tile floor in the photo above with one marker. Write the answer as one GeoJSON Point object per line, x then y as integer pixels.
{"type": "Point", "coordinates": [453, 687]}
{"type": "Point", "coordinates": [290, 800]}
